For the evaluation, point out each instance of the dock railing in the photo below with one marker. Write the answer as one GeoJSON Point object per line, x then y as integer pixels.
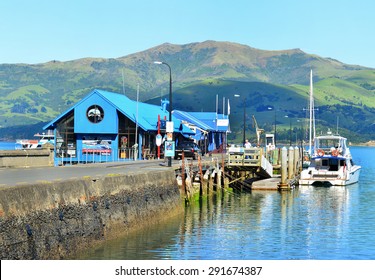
{"type": "Point", "coordinates": [249, 157]}
{"type": "Point", "coordinates": [246, 157]}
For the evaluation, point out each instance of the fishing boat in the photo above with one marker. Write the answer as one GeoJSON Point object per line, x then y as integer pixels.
{"type": "Point", "coordinates": [331, 163]}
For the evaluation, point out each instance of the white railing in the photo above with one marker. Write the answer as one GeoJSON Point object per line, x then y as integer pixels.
{"type": "Point", "coordinates": [252, 157]}
{"type": "Point", "coordinates": [94, 156]}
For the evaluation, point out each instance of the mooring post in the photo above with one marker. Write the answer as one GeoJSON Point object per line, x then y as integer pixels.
{"type": "Point", "coordinates": [211, 183]}
{"type": "Point", "coordinates": [203, 191]}
{"type": "Point", "coordinates": [284, 165]}
{"type": "Point", "coordinates": [226, 183]}
{"type": "Point", "coordinates": [243, 176]}
{"type": "Point", "coordinates": [291, 163]}
{"type": "Point", "coordinates": [223, 169]}
{"type": "Point", "coordinates": [183, 175]}
{"type": "Point", "coordinates": [218, 179]}
{"type": "Point", "coordinates": [205, 183]}
{"type": "Point", "coordinates": [296, 160]}
{"type": "Point", "coordinates": [278, 156]}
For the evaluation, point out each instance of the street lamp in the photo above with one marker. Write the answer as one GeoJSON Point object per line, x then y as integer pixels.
{"type": "Point", "coordinates": [290, 130]}
{"type": "Point", "coordinates": [244, 119]}
{"type": "Point", "coordinates": [170, 100]}
{"type": "Point", "coordinates": [274, 137]}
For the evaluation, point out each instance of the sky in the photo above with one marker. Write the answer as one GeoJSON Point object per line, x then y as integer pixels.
{"type": "Point", "coordinates": [38, 31]}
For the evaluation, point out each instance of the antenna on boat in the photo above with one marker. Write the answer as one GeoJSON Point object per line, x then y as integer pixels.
{"type": "Point", "coordinates": [337, 125]}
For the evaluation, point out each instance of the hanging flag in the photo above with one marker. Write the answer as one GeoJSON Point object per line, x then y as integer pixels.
{"type": "Point", "coordinates": [228, 108]}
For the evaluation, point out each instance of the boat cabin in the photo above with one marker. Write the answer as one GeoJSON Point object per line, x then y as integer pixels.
{"type": "Point", "coordinates": [328, 164]}
{"type": "Point", "coordinates": [330, 145]}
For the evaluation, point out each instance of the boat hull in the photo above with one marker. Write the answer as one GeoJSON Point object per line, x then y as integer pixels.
{"type": "Point", "coordinates": [330, 178]}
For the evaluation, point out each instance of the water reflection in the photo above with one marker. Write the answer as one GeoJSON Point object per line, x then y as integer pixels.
{"type": "Point", "coordinates": [307, 223]}
{"type": "Point", "coordinates": [139, 245]}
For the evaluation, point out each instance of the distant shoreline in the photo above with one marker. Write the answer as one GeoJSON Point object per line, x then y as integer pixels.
{"type": "Point", "coordinates": [366, 144]}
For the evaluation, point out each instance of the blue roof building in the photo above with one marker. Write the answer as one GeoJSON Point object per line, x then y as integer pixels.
{"type": "Point", "coordinates": [107, 126]}
{"type": "Point", "coordinates": [210, 128]}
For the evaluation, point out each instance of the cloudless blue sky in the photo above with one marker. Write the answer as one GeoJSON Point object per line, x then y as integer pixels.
{"type": "Point", "coordinates": [38, 31]}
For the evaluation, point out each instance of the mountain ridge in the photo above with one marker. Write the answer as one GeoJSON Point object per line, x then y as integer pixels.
{"type": "Point", "coordinates": [32, 93]}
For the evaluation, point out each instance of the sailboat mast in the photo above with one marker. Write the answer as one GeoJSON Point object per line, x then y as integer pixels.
{"type": "Point", "coordinates": [311, 112]}
{"type": "Point", "coordinates": [313, 108]}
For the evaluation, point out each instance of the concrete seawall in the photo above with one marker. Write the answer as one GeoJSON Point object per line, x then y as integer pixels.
{"type": "Point", "coordinates": [56, 220]}
{"type": "Point", "coordinates": [26, 158]}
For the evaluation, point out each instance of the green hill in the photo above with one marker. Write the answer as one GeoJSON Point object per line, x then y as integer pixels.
{"type": "Point", "coordinates": [287, 104]}
{"type": "Point", "coordinates": [33, 93]}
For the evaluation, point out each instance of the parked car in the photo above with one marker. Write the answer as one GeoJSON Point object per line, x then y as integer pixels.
{"type": "Point", "coordinates": [190, 149]}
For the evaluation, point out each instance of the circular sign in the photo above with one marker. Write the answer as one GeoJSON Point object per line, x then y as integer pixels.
{"type": "Point", "coordinates": [158, 140]}
{"type": "Point", "coordinates": [95, 114]}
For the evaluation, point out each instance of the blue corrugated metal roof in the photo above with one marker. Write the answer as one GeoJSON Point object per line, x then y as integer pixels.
{"type": "Point", "coordinates": [204, 120]}
{"type": "Point", "coordinates": [147, 113]}
{"type": "Point", "coordinates": [185, 116]}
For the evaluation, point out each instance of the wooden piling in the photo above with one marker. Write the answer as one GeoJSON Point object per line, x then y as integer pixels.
{"type": "Point", "coordinates": [284, 167]}
{"type": "Point", "coordinates": [183, 175]}
{"type": "Point", "coordinates": [210, 184]}
{"type": "Point", "coordinates": [296, 160]}
{"type": "Point", "coordinates": [205, 183]}
{"type": "Point", "coordinates": [223, 169]}
{"type": "Point", "coordinates": [226, 183]}
{"type": "Point", "coordinates": [291, 163]}
{"type": "Point", "coordinates": [218, 180]}
{"type": "Point", "coordinates": [278, 156]}
{"type": "Point", "coordinates": [203, 187]}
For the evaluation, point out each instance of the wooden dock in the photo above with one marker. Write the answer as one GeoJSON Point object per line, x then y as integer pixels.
{"type": "Point", "coordinates": [241, 169]}
{"type": "Point", "coordinates": [251, 159]}
{"type": "Point", "coordinates": [270, 184]}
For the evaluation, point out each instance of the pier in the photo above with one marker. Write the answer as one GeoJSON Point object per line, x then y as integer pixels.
{"type": "Point", "coordinates": [241, 170]}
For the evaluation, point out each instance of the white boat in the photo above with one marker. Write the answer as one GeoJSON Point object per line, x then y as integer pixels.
{"type": "Point", "coordinates": [331, 163]}
{"type": "Point", "coordinates": [44, 138]}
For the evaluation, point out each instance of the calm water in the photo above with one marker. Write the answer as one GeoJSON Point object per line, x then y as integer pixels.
{"type": "Point", "coordinates": [307, 223]}
{"type": "Point", "coordinates": [9, 146]}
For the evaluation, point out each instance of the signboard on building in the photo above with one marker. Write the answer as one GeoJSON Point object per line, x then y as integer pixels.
{"type": "Point", "coordinates": [159, 140]}
{"type": "Point", "coordinates": [169, 149]}
{"type": "Point", "coordinates": [169, 127]}
{"type": "Point", "coordinates": [102, 147]}
{"type": "Point", "coordinates": [169, 136]}
{"type": "Point", "coordinates": [222, 122]}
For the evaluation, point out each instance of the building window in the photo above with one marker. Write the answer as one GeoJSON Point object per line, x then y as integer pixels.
{"type": "Point", "coordinates": [95, 114]}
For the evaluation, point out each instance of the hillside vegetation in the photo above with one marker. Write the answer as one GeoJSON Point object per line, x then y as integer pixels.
{"type": "Point", "coordinates": [274, 83]}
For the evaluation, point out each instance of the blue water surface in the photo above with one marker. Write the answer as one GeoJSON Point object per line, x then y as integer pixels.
{"type": "Point", "coordinates": [9, 146]}
{"type": "Point", "coordinates": [322, 223]}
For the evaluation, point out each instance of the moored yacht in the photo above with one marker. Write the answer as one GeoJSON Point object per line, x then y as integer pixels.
{"type": "Point", "coordinates": [331, 163]}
